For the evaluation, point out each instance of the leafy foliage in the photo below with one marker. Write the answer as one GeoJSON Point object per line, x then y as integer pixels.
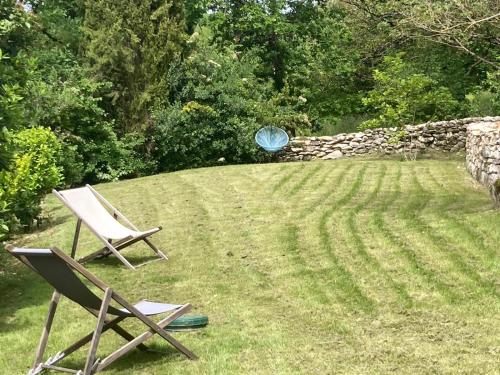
{"type": "Point", "coordinates": [485, 99]}
{"type": "Point", "coordinates": [401, 96]}
{"type": "Point", "coordinates": [34, 173]}
{"type": "Point", "coordinates": [14, 27]}
{"type": "Point", "coordinates": [64, 98]}
{"type": "Point", "coordinates": [217, 104]}
{"type": "Point", "coordinates": [131, 43]}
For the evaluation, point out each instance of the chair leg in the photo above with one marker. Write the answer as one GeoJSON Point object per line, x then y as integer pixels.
{"type": "Point", "coordinates": [75, 238]}
{"type": "Point", "coordinates": [155, 249]}
{"type": "Point", "coordinates": [101, 253]}
{"type": "Point", "coordinates": [105, 251]}
{"type": "Point", "coordinates": [120, 257]}
{"type": "Point", "coordinates": [46, 330]}
{"type": "Point", "coordinates": [127, 336]}
{"type": "Point", "coordinates": [141, 338]}
{"type": "Point", "coordinates": [89, 365]}
{"type": "Point", "coordinates": [155, 327]}
{"type": "Point", "coordinates": [112, 324]}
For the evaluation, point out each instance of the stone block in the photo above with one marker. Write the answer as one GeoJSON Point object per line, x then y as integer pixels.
{"type": "Point", "coordinates": [333, 155]}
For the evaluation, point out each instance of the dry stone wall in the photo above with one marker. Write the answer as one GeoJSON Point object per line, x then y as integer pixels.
{"type": "Point", "coordinates": [448, 136]}
{"type": "Point", "coordinates": [483, 155]}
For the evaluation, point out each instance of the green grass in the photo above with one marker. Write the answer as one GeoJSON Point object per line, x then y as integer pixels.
{"type": "Point", "coordinates": [353, 266]}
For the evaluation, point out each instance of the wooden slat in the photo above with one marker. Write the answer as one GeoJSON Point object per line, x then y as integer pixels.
{"type": "Point", "coordinates": [155, 249]}
{"type": "Point", "coordinates": [61, 369]}
{"type": "Point", "coordinates": [75, 238]}
{"type": "Point", "coordinates": [46, 329]}
{"type": "Point", "coordinates": [147, 262]}
{"type": "Point", "coordinates": [86, 339]}
{"type": "Point", "coordinates": [108, 293]}
{"type": "Point", "coordinates": [155, 327]}
{"type": "Point", "coordinates": [141, 338]}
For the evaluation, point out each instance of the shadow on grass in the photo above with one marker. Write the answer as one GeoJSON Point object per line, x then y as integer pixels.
{"type": "Point", "coordinates": [136, 359]}
{"type": "Point", "coordinates": [19, 288]}
{"type": "Point", "coordinates": [134, 259]}
{"type": "Point", "coordinates": [48, 223]}
{"type": "Point", "coordinates": [143, 360]}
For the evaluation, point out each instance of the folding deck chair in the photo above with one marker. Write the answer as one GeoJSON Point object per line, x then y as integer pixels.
{"type": "Point", "coordinates": [61, 271]}
{"type": "Point", "coordinates": [89, 207]}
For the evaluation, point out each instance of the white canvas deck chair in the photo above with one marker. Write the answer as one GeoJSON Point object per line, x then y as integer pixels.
{"type": "Point", "coordinates": [101, 218]}
{"type": "Point", "coordinates": [64, 273]}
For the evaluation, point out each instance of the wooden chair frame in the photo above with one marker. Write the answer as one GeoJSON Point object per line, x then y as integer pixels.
{"type": "Point", "coordinates": [109, 246]}
{"type": "Point", "coordinates": [93, 365]}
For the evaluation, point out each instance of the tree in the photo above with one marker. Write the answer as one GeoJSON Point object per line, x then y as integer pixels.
{"type": "Point", "coordinates": [131, 43]}
{"type": "Point", "coordinates": [402, 96]}
{"type": "Point", "coordinates": [471, 27]}
{"type": "Point", "coordinates": [15, 34]}
{"type": "Point", "coordinates": [216, 105]}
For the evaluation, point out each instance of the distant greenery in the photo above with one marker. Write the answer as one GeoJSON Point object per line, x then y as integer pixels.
{"type": "Point", "coordinates": [401, 96]}
{"type": "Point", "coordinates": [215, 107]}
{"type": "Point", "coordinates": [131, 87]}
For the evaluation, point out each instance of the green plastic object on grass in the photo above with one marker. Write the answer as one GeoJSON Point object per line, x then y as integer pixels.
{"type": "Point", "coordinates": [188, 322]}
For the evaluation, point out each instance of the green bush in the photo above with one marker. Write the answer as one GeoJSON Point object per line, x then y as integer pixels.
{"type": "Point", "coordinates": [288, 112]}
{"type": "Point", "coordinates": [401, 96]}
{"type": "Point", "coordinates": [485, 100]}
{"type": "Point", "coordinates": [218, 105]}
{"type": "Point", "coordinates": [63, 97]}
{"type": "Point", "coordinates": [34, 172]}
{"type": "Point", "coordinates": [5, 215]}
{"type": "Point", "coordinates": [196, 135]}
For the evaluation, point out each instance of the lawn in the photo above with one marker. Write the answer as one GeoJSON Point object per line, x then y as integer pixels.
{"type": "Point", "coordinates": [343, 267]}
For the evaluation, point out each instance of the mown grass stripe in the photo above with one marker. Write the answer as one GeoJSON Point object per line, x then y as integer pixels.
{"type": "Point", "coordinates": [471, 234]}
{"type": "Point", "coordinates": [306, 178]}
{"type": "Point", "coordinates": [343, 281]}
{"type": "Point", "coordinates": [451, 250]}
{"type": "Point", "coordinates": [417, 267]}
{"type": "Point", "coordinates": [291, 240]}
{"type": "Point", "coordinates": [324, 197]}
{"type": "Point", "coordinates": [325, 175]}
{"type": "Point", "coordinates": [361, 248]}
{"type": "Point", "coordinates": [294, 247]}
{"type": "Point", "coordinates": [287, 177]}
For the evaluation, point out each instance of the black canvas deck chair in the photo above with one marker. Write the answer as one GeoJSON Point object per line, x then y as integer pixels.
{"type": "Point", "coordinates": [61, 271]}
{"type": "Point", "coordinates": [101, 218]}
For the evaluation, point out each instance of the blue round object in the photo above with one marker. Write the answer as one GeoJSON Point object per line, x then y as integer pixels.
{"type": "Point", "coordinates": [271, 138]}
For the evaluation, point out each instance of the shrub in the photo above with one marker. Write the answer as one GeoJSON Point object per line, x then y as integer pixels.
{"type": "Point", "coordinates": [62, 96]}
{"type": "Point", "coordinates": [485, 100]}
{"type": "Point", "coordinates": [217, 108]}
{"type": "Point", "coordinates": [196, 135]}
{"type": "Point", "coordinates": [5, 215]}
{"type": "Point", "coordinates": [288, 112]}
{"type": "Point", "coordinates": [34, 173]}
{"type": "Point", "coordinates": [401, 96]}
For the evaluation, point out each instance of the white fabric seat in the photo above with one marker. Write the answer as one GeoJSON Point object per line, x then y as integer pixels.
{"type": "Point", "coordinates": [101, 218]}
{"type": "Point", "coordinates": [149, 308]}
{"type": "Point", "coordinates": [91, 211]}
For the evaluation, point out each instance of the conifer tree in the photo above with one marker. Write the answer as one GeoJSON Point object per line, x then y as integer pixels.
{"type": "Point", "coordinates": [132, 43]}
